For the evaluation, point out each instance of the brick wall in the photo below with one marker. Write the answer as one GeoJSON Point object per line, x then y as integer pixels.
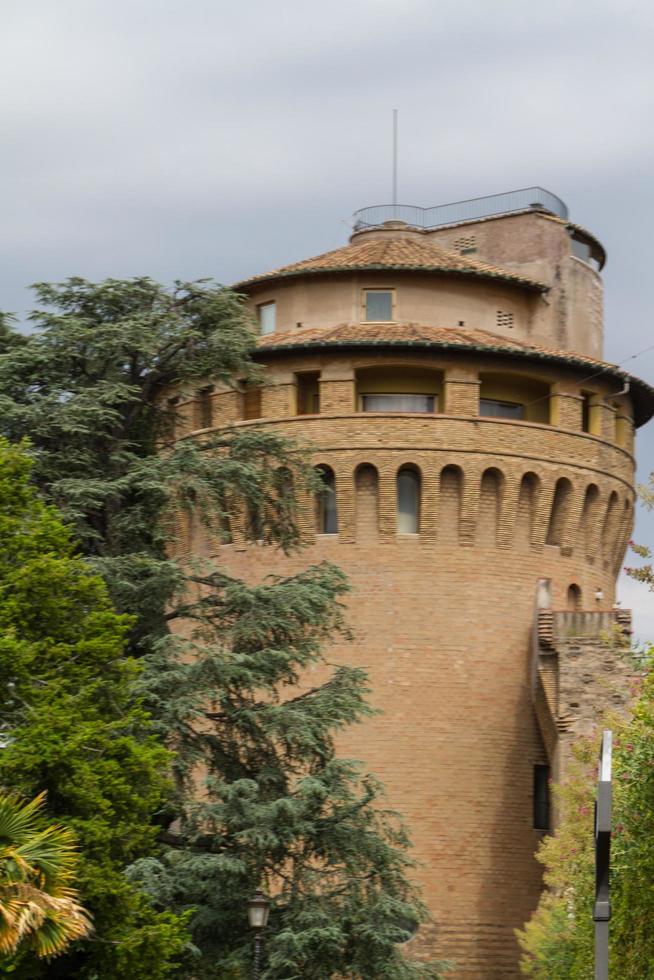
{"type": "Point", "coordinates": [442, 621]}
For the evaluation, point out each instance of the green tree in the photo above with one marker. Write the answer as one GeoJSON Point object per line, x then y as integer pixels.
{"type": "Point", "coordinates": [72, 727]}
{"type": "Point", "coordinates": [39, 909]}
{"type": "Point", "coordinates": [276, 807]}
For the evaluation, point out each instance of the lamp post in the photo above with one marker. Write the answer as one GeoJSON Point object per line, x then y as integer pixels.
{"type": "Point", "coordinates": [258, 910]}
{"type": "Point", "coordinates": [602, 908]}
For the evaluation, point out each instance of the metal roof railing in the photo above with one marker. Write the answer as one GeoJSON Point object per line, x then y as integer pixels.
{"type": "Point", "coordinates": [525, 199]}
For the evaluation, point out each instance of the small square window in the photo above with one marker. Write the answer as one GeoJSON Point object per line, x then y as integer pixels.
{"type": "Point", "coordinates": [267, 313]}
{"type": "Point", "coordinates": [378, 305]}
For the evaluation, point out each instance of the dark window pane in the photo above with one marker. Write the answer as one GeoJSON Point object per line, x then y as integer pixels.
{"type": "Point", "coordinates": [541, 797]}
{"type": "Point", "coordinates": [308, 393]}
{"type": "Point", "coordinates": [327, 506]}
{"type": "Point", "coordinates": [408, 502]}
{"type": "Point", "coordinates": [501, 410]}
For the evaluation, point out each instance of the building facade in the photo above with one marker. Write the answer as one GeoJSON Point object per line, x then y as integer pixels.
{"type": "Point", "coordinates": [478, 460]}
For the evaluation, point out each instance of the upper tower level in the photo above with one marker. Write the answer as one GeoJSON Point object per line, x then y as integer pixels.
{"type": "Point", "coordinates": [512, 264]}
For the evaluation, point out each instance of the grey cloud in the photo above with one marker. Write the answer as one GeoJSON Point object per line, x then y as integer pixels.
{"type": "Point", "coordinates": [210, 137]}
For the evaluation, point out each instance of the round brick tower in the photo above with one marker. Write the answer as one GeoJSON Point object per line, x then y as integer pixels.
{"type": "Point", "coordinates": [479, 460]}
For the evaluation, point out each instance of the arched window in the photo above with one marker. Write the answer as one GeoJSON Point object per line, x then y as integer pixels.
{"type": "Point", "coordinates": [367, 500]}
{"type": "Point", "coordinates": [574, 598]}
{"type": "Point", "coordinates": [408, 501]}
{"type": "Point", "coordinates": [326, 510]}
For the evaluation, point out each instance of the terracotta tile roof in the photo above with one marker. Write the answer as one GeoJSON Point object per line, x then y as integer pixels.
{"type": "Point", "coordinates": [416, 335]}
{"type": "Point", "coordinates": [394, 253]}
{"type": "Point", "coordinates": [405, 333]}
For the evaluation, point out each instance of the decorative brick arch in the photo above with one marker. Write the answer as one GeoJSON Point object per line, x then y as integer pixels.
{"type": "Point", "coordinates": [491, 491]}
{"type": "Point", "coordinates": [561, 510]}
{"type": "Point", "coordinates": [366, 492]}
{"type": "Point", "coordinates": [527, 509]}
{"type": "Point", "coordinates": [451, 481]}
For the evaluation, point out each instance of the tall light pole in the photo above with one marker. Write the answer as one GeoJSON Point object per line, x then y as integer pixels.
{"type": "Point", "coordinates": [258, 911]}
{"type": "Point", "coordinates": [602, 909]}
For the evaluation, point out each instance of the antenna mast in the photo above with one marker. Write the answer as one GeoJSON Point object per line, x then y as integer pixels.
{"type": "Point", "coordinates": [394, 157]}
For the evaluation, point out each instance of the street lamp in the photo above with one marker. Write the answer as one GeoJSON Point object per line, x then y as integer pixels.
{"type": "Point", "coordinates": [258, 910]}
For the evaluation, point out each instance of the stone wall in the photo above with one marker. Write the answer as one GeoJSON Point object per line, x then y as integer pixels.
{"type": "Point", "coordinates": [584, 674]}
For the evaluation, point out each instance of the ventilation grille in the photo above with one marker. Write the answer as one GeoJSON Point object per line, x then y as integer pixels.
{"type": "Point", "coordinates": [465, 244]}
{"type": "Point", "coordinates": [505, 319]}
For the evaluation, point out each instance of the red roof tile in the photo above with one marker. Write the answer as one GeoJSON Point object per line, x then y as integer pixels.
{"type": "Point", "coordinates": [406, 333]}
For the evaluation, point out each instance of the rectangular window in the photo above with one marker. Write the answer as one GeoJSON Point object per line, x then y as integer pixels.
{"type": "Point", "coordinates": [398, 403]}
{"type": "Point", "coordinates": [501, 410]}
{"type": "Point", "coordinates": [267, 313]}
{"type": "Point", "coordinates": [378, 305]}
{"type": "Point", "coordinates": [541, 797]}
{"type": "Point", "coordinates": [252, 403]}
{"type": "Point", "coordinates": [308, 393]}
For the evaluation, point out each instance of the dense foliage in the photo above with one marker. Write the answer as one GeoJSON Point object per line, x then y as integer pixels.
{"type": "Point", "coordinates": [260, 799]}
{"type": "Point", "coordinates": [558, 941]}
{"type": "Point", "coordinates": [71, 727]}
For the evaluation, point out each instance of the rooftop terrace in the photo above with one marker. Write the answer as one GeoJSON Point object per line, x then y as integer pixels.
{"type": "Point", "coordinates": [525, 199]}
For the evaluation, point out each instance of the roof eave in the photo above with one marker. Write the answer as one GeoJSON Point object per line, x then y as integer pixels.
{"type": "Point", "coordinates": [530, 284]}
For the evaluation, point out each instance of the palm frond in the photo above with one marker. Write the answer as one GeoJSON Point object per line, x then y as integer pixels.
{"type": "Point", "coordinates": [38, 908]}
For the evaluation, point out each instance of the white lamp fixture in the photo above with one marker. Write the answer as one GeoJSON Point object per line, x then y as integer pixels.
{"type": "Point", "coordinates": [258, 909]}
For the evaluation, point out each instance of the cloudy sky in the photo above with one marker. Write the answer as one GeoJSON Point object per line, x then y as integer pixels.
{"type": "Point", "coordinates": [214, 138]}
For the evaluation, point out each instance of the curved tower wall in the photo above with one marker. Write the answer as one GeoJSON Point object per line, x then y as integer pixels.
{"type": "Point", "coordinates": [443, 617]}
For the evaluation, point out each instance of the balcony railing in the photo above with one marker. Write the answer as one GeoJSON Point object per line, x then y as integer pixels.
{"type": "Point", "coordinates": [526, 199]}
